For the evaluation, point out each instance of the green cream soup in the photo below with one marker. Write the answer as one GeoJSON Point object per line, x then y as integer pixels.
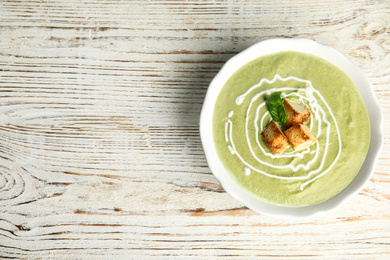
{"type": "Point", "coordinates": [339, 121]}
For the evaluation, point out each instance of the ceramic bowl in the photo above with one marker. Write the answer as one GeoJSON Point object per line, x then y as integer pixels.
{"type": "Point", "coordinates": [322, 51]}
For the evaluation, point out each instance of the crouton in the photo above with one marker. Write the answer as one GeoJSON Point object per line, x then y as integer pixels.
{"type": "Point", "coordinates": [296, 113]}
{"type": "Point", "coordinates": [299, 136]}
{"type": "Point", "coordinates": [275, 138]}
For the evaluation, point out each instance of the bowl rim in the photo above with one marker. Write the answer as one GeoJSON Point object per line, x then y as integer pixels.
{"type": "Point", "coordinates": [336, 58]}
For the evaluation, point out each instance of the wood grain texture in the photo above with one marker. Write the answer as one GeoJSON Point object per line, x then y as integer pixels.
{"type": "Point", "coordinates": [100, 155]}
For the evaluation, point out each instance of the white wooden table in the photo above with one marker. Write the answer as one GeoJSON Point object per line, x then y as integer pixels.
{"type": "Point", "coordinates": [100, 155]}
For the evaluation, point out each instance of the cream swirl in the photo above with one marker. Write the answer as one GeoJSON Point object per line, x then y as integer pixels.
{"type": "Point", "coordinates": [257, 117]}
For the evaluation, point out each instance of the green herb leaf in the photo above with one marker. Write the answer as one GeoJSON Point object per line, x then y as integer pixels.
{"type": "Point", "coordinates": [276, 109]}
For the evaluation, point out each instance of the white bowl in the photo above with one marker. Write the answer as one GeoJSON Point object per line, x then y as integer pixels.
{"type": "Point", "coordinates": [322, 51]}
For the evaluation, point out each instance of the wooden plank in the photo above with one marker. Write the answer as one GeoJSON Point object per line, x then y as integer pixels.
{"type": "Point", "coordinates": [100, 153]}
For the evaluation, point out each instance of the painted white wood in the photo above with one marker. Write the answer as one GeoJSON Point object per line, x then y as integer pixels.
{"type": "Point", "coordinates": [100, 153]}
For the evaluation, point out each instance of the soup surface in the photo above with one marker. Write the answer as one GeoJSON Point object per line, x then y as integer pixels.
{"type": "Point", "coordinates": [339, 121]}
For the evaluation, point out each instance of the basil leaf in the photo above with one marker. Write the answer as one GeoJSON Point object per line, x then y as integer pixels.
{"type": "Point", "coordinates": [276, 109]}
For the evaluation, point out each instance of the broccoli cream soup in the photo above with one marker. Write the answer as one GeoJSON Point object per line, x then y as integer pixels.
{"type": "Point", "coordinates": [339, 122]}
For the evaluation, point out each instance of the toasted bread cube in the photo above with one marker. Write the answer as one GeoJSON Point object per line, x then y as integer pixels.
{"type": "Point", "coordinates": [299, 136]}
{"type": "Point", "coordinates": [275, 138]}
{"type": "Point", "coordinates": [296, 113]}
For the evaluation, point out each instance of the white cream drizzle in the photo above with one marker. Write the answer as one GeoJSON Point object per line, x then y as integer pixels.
{"type": "Point", "coordinates": [318, 116]}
